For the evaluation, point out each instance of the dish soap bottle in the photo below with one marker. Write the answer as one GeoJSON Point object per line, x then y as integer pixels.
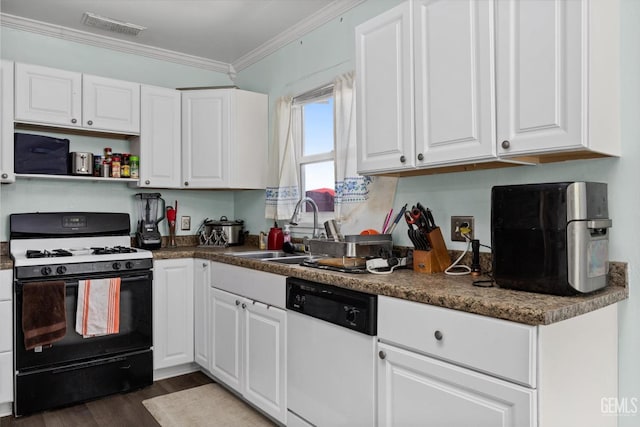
{"type": "Point", "coordinates": [287, 234]}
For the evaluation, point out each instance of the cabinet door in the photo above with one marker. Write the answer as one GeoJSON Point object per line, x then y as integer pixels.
{"type": "Point", "coordinates": [205, 138]}
{"type": "Point", "coordinates": [539, 75]}
{"type": "Point", "coordinates": [264, 358]}
{"type": "Point", "coordinates": [159, 147]}
{"type": "Point", "coordinates": [454, 81]}
{"type": "Point", "coordinates": [172, 312]}
{"type": "Point", "coordinates": [6, 122]}
{"type": "Point", "coordinates": [226, 337]}
{"type": "Point", "coordinates": [201, 280]}
{"type": "Point", "coordinates": [414, 387]}
{"type": "Point", "coordinates": [110, 105]}
{"type": "Point", "coordinates": [384, 61]}
{"type": "Point", "coordinates": [6, 336]}
{"type": "Point", "coordinates": [47, 95]}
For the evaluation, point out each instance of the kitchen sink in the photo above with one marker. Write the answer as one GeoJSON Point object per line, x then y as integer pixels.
{"type": "Point", "coordinates": [293, 259]}
{"type": "Point", "coordinates": [279, 257]}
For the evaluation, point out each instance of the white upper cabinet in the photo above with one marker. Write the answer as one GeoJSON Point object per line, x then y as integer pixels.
{"type": "Point", "coordinates": [205, 132]}
{"type": "Point", "coordinates": [507, 80]}
{"type": "Point", "coordinates": [7, 174]}
{"type": "Point", "coordinates": [224, 139]}
{"type": "Point", "coordinates": [558, 82]}
{"type": "Point", "coordinates": [384, 78]}
{"type": "Point", "coordinates": [159, 142]}
{"type": "Point", "coordinates": [454, 81]}
{"type": "Point", "coordinates": [111, 105]}
{"type": "Point", "coordinates": [49, 96]}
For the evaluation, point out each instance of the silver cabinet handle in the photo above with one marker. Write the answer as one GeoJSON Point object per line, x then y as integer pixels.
{"type": "Point", "coordinates": [403, 159]}
{"type": "Point", "coordinates": [147, 182]}
{"type": "Point", "coordinates": [237, 302]}
{"type": "Point", "coordinates": [90, 122]}
{"type": "Point", "coordinates": [420, 156]}
{"type": "Point", "coordinates": [5, 176]}
{"type": "Point", "coordinates": [438, 335]}
{"type": "Point", "coordinates": [186, 183]}
{"type": "Point", "coordinates": [204, 265]}
{"type": "Point", "coordinates": [244, 305]}
{"type": "Point", "coordinates": [506, 144]}
{"type": "Point", "coordinates": [74, 121]}
{"type": "Point", "coordinates": [382, 354]}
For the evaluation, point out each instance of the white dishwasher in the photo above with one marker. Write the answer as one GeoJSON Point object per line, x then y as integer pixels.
{"type": "Point", "coordinates": [331, 364]}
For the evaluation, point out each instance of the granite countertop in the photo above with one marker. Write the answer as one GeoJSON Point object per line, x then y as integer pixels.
{"type": "Point", "coordinates": [454, 292]}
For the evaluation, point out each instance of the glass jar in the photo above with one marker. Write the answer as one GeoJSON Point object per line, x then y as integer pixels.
{"type": "Point", "coordinates": [115, 167]}
{"type": "Point", "coordinates": [134, 164]}
{"type": "Point", "coordinates": [125, 167]}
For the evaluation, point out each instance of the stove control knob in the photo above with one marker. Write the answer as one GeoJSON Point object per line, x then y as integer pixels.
{"type": "Point", "coordinates": [45, 271]}
{"type": "Point", "coordinates": [116, 266]}
{"type": "Point", "coordinates": [61, 270]}
{"type": "Point", "coordinates": [129, 265]}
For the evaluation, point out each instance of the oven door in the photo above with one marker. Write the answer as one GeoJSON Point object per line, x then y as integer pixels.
{"type": "Point", "coordinates": [135, 325]}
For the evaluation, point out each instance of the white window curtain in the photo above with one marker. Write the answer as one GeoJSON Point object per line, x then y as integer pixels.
{"type": "Point", "coordinates": [361, 202]}
{"type": "Point", "coordinates": [283, 185]}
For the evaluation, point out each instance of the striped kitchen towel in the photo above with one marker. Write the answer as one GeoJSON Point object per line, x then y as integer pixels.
{"type": "Point", "coordinates": [98, 310]}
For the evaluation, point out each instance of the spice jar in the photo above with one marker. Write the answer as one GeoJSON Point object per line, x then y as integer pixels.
{"type": "Point", "coordinates": [97, 165]}
{"type": "Point", "coordinates": [115, 166]}
{"type": "Point", "coordinates": [125, 168]}
{"type": "Point", "coordinates": [106, 169]}
{"type": "Point", "coordinates": [134, 164]}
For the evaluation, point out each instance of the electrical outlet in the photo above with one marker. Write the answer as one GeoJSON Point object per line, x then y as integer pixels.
{"type": "Point", "coordinates": [460, 221]}
{"type": "Point", "coordinates": [185, 223]}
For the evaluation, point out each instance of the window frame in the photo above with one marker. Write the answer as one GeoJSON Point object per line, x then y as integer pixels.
{"type": "Point", "coordinates": [305, 219]}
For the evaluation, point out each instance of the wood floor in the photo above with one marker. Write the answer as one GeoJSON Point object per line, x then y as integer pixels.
{"type": "Point", "coordinates": [120, 410]}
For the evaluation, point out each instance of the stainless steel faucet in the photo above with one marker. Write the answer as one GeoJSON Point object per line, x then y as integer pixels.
{"type": "Point", "coordinates": [315, 233]}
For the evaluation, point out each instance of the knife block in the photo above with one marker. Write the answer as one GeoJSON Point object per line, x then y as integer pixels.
{"type": "Point", "coordinates": [425, 262]}
{"type": "Point", "coordinates": [435, 260]}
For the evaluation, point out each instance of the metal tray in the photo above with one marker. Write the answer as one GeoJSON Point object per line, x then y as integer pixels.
{"type": "Point", "coordinates": [376, 245]}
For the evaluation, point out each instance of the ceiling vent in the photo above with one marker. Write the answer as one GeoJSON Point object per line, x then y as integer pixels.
{"type": "Point", "coordinates": [109, 24]}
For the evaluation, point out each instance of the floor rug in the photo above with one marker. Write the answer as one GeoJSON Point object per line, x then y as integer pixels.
{"type": "Point", "coordinates": [207, 405]}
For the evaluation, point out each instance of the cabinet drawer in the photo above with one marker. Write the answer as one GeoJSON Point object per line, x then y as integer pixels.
{"type": "Point", "coordinates": [497, 347]}
{"type": "Point", "coordinates": [256, 285]}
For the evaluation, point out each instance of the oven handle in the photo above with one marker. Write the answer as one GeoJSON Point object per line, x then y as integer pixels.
{"type": "Point", "coordinates": [73, 283]}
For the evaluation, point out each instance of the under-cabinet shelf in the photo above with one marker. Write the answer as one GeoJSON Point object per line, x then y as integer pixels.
{"type": "Point", "coordinates": [74, 177]}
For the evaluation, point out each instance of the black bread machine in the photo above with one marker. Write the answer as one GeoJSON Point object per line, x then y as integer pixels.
{"type": "Point", "coordinates": [550, 238]}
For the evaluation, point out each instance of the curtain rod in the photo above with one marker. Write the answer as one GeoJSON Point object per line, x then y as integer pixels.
{"type": "Point", "coordinates": [318, 92]}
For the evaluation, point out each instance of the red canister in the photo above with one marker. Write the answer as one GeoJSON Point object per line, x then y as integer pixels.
{"type": "Point", "coordinates": [276, 239]}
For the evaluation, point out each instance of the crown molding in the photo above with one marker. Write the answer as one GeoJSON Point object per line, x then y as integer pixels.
{"type": "Point", "coordinates": [65, 33]}
{"type": "Point", "coordinates": [321, 17]}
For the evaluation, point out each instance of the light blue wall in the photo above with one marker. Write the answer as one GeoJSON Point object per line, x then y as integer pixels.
{"type": "Point", "coordinates": [318, 57]}
{"type": "Point", "coordinates": [28, 195]}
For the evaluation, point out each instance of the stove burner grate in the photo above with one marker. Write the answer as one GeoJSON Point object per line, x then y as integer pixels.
{"type": "Point", "coordinates": [113, 250]}
{"type": "Point", "coordinates": [48, 254]}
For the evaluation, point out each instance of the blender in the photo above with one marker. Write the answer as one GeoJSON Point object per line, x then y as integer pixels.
{"type": "Point", "coordinates": [147, 234]}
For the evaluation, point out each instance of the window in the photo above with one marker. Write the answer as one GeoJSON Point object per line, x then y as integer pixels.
{"type": "Point", "coordinates": [316, 153]}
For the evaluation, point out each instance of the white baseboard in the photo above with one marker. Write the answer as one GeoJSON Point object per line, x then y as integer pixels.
{"type": "Point", "coordinates": [174, 371]}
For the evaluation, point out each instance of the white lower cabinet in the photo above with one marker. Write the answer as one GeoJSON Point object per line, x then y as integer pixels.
{"type": "Point", "coordinates": [414, 387]}
{"type": "Point", "coordinates": [173, 334]}
{"type": "Point", "coordinates": [248, 350]}
{"type": "Point", "coordinates": [442, 367]}
{"type": "Point", "coordinates": [6, 341]}
{"type": "Point", "coordinates": [247, 335]}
